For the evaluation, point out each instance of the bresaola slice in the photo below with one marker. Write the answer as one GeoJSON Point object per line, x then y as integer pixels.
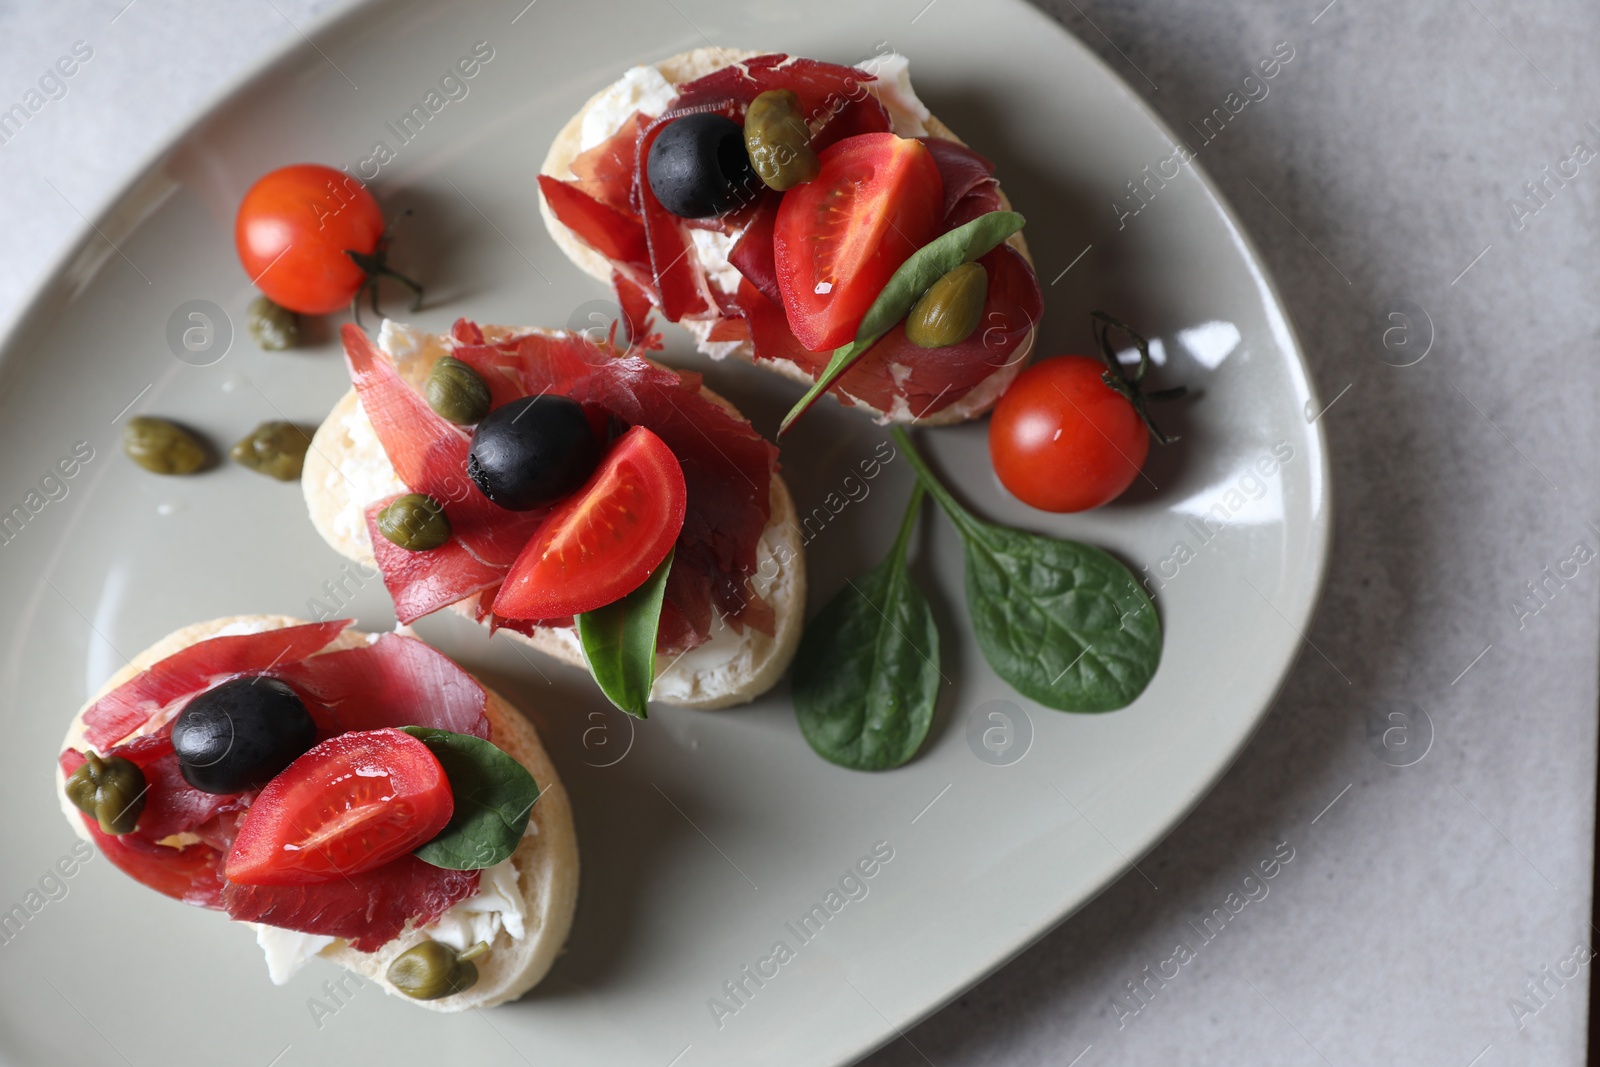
{"type": "Point", "coordinates": [394, 681]}
{"type": "Point", "coordinates": [198, 667]}
{"type": "Point", "coordinates": [368, 910]}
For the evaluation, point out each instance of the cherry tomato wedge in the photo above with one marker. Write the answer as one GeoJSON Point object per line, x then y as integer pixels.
{"type": "Point", "coordinates": [352, 803]}
{"type": "Point", "coordinates": [293, 230]}
{"type": "Point", "coordinates": [601, 543]}
{"type": "Point", "coordinates": [838, 238]}
{"type": "Point", "coordinates": [1061, 439]}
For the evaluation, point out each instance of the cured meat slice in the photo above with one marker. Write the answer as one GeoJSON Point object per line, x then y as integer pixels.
{"type": "Point", "coordinates": [368, 909]}
{"type": "Point", "coordinates": [394, 681]}
{"type": "Point", "coordinates": [200, 666]}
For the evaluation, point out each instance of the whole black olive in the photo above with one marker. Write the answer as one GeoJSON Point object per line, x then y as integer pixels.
{"type": "Point", "coordinates": [239, 735]}
{"type": "Point", "coordinates": [532, 452]}
{"type": "Point", "coordinates": [699, 167]}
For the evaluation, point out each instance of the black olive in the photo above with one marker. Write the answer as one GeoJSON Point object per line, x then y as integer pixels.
{"type": "Point", "coordinates": [532, 452]}
{"type": "Point", "coordinates": [240, 734]}
{"type": "Point", "coordinates": [699, 167]}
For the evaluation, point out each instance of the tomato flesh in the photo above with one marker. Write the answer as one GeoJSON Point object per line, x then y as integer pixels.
{"type": "Point", "coordinates": [1061, 439]}
{"type": "Point", "coordinates": [350, 804]}
{"type": "Point", "coordinates": [293, 229]}
{"type": "Point", "coordinates": [601, 543]}
{"type": "Point", "coordinates": [837, 240]}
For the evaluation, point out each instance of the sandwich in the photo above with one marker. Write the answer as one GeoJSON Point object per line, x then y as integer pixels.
{"type": "Point", "coordinates": [766, 202]}
{"type": "Point", "coordinates": [573, 493]}
{"type": "Point", "coordinates": [351, 796]}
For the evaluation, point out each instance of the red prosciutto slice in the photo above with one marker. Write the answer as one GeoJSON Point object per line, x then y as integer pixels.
{"type": "Point", "coordinates": [617, 236]}
{"type": "Point", "coordinates": [430, 454]}
{"type": "Point", "coordinates": [128, 707]}
{"type": "Point", "coordinates": [394, 681]}
{"type": "Point", "coordinates": [172, 805]}
{"type": "Point", "coordinates": [191, 874]}
{"type": "Point", "coordinates": [368, 909]}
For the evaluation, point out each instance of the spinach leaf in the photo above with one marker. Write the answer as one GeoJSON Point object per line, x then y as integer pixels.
{"type": "Point", "coordinates": [619, 641]}
{"type": "Point", "coordinates": [1062, 623]}
{"type": "Point", "coordinates": [494, 797]}
{"type": "Point", "coordinates": [866, 675]}
{"type": "Point", "coordinates": [927, 265]}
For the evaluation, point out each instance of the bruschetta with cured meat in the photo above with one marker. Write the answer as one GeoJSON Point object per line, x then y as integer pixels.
{"type": "Point", "coordinates": [764, 201]}
{"type": "Point", "coordinates": [565, 475]}
{"type": "Point", "coordinates": [312, 781]}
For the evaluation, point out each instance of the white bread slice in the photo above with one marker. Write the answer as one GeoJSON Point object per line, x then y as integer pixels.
{"type": "Point", "coordinates": [685, 67]}
{"type": "Point", "coordinates": [346, 469]}
{"type": "Point", "coordinates": [546, 860]}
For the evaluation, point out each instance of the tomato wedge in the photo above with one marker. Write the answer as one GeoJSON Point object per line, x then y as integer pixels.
{"type": "Point", "coordinates": [601, 543]}
{"type": "Point", "coordinates": [878, 199]}
{"type": "Point", "coordinates": [352, 803]}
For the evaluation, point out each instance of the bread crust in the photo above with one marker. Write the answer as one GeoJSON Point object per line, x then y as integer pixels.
{"type": "Point", "coordinates": [346, 442]}
{"type": "Point", "coordinates": [687, 66]}
{"type": "Point", "coordinates": [546, 860]}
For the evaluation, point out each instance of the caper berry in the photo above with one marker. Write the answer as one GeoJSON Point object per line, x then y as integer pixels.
{"type": "Point", "coordinates": [110, 789]}
{"type": "Point", "coordinates": [430, 970]}
{"type": "Point", "coordinates": [273, 326]}
{"type": "Point", "coordinates": [276, 448]}
{"type": "Point", "coordinates": [416, 522]}
{"type": "Point", "coordinates": [778, 140]}
{"type": "Point", "coordinates": [951, 308]}
{"type": "Point", "coordinates": [162, 447]}
{"type": "Point", "coordinates": [456, 392]}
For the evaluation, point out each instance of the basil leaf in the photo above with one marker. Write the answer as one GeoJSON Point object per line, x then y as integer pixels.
{"type": "Point", "coordinates": [866, 675]}
{"type": "Point", "coordinates": [905, 287]}
{"type": "Point", "coordinates": [1062, 623]}
{"type": "Point", "coordinates": [619, 641]}
{"type": "Point", "coordinates": [494, 797]}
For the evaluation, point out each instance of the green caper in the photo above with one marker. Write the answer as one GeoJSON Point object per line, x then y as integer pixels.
{"type": "Point", "coordinates": [275, 448]}
{"type": "Point", "coordinates": [273, 326]}
{"type": "Point", "coordinates": [430, 970]}
{"type": "Point", "coordinates": [456, 392]}
{"type": "Point", "coordinates": [416, 522]}
{"type": "Point", "coordinates": [162, 447]}
{"type": "Point", "coordinates": [109, 789]}
{"type": "Point", "coordinates": [951, 308]}
{"type": "Point", "coordinates": [779, 141]}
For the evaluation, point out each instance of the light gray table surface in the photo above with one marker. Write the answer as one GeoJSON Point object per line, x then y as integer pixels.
{"type": "Point", "coordinates": [1441, 861]}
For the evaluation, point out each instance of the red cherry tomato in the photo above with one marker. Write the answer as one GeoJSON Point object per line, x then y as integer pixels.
{"type": "Point", "coordinates": [293, 230]}
{"type": "Point", "coordinates": [878, 199]}
{"type": "Point", "coordinates": [352, 803]}
{"type": "Point", "coordinates": [601, 543]}
{"type": "Point", "coordinates": [1061, 439]}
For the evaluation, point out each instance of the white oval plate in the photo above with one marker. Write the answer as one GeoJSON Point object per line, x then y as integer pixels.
{"type": "Point", "coordinates": [706, 837]}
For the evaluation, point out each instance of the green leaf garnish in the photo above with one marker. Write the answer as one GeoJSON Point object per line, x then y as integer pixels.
{"type": "Point", "coordinates": [1062, 623]}
{"type": "Point", "coordinates": [866, 676]}
{"type": "Point", "coordinates": [494, 796]}
{"type": "Point", "coordinates": [927, 265]}
{"type": "Point", "coordinates": [619, 641]}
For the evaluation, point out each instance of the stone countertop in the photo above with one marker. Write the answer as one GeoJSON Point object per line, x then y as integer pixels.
{"type": "Point", "coordinates": [1421, 178]}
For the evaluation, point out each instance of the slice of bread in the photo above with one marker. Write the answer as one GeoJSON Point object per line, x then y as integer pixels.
{"type": "Point", "coordinates": [546, 861]}
{"type": "Point", "coordinates": [346, 469]}
{"type": "Point", "coordinates": [685, 67]}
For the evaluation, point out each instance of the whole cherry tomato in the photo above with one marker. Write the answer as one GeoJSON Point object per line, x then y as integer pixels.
{"type": "Point", "coordinates": [1061, 439]}
{"type": "Point", "coordinates": [310, 237]}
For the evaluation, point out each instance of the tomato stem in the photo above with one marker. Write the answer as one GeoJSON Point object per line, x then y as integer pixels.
{"type": "Point", "coordinates": [1130, 386]}
{"type": "Point", "coordinates": [376, 265]}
